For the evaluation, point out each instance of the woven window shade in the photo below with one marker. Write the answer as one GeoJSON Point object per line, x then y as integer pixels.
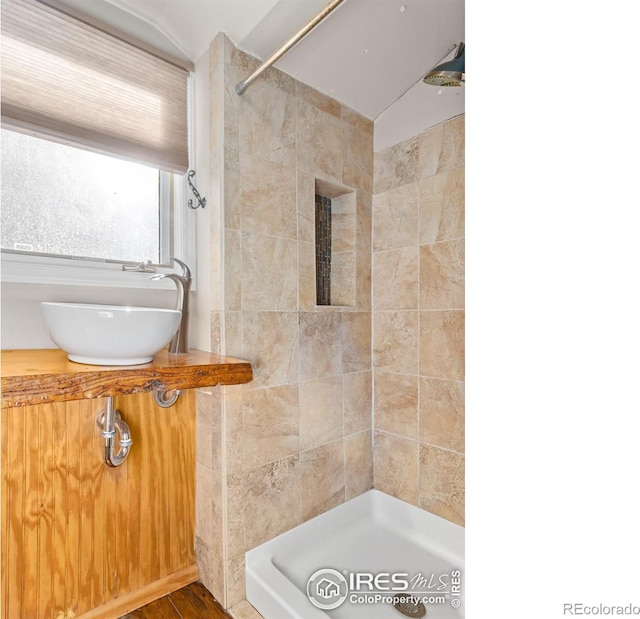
{"type": "Point", "coordinates": [69, 81]}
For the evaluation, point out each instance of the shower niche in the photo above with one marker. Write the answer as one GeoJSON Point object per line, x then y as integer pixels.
{"type": "Point", "coordinates": [335, 244]}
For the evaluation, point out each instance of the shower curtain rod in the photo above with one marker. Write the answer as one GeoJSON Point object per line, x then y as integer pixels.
{"type": "Point", "coordinates": [242, 86]}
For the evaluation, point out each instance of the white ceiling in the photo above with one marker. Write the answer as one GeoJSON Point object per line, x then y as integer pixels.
{"type": "Point", "coordinates": [366, 54]}
{"type": "Point", "coordinates": [369, 52]}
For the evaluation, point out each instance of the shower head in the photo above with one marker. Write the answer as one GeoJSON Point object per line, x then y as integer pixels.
{"type": "Point", "coordinates": [450, 73]}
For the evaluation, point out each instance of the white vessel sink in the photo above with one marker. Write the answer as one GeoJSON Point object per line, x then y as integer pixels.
{"type": "Point", "coordinates": [109, 334]}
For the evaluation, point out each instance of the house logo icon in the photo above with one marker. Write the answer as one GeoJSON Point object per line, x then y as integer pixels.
{"type": "Point", "coordinates": [327, 589]}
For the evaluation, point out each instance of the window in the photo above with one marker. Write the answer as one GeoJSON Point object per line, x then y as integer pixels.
{"type": "Point", "coordinates": [64, 201]}
{"type": "Point", "coordinates": [94, 146]}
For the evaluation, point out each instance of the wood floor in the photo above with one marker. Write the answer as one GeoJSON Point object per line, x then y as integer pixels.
{"type": "Point", "coordinates": [191, 602]}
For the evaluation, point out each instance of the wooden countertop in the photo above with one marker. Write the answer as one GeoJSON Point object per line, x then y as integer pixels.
{"type": "Point", "coordinates": [43, 376]}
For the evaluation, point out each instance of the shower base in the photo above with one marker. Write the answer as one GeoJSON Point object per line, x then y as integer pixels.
{"type": "Point", "coordinates": [355, 559]}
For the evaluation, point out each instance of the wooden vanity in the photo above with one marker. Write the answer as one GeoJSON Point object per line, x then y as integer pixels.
{"type": "Point", "coordinates": [81, 540]}
{"type": "Point", "coordinates": [43, 376]}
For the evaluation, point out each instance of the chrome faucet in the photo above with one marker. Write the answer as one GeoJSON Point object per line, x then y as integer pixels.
{"type": "Point", "coordinates": [180, 343]}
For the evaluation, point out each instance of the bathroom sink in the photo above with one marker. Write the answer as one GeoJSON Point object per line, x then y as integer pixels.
{"type": "Point", "coordinates": [109, 334]}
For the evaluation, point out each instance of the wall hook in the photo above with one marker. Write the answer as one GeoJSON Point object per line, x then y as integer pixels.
{"type": "Point", "coordinates": [202, 202]}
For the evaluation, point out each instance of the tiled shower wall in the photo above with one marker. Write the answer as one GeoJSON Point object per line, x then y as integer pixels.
{"type": "Point", "coordinates": [418, 320]}
{"type": "Point", "coordinates": [297, 440]}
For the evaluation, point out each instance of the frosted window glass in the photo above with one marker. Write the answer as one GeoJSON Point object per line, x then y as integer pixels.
{"type": "Point", "coordinates": [61, 200]}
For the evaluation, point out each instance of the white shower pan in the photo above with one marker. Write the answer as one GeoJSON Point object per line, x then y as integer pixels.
{"type": "Point", "coordinates": [359, 558]}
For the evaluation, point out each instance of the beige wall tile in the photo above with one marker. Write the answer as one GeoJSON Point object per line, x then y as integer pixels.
{"type": "Point", "coordinates": [215, 325]}
{"type": "Point", "coordinates": [268, 284]}
{"type": "Point", "coordinates": [442, 275]}
{"type": "Point", "coordinates": [271, 500]}
{"type": "Point", "coordinates": [395, 341]}
{"type": "Point", "coordinates": [279, 79]}
{"type": "Point", "coordinates": [331, 188]}
{"type": "Point", "coordinates": [396, 404]}
{"type": "Point", "coordinates": [231, 101]}
{"type": "Point", "coordinates": [359, 121]}
{"type": "Point", "coordinates": [235, 513]}
{"type": "Point", "coordinates": [216, 116]}
{"type": "Point", "coordinates": [218, 506]}
{"type": "Point", "coordinates": [233, 270]}
{"type": "Point", "coordinates": [269, 273]}
{"type": "Point", "coordinates": [321, 411]}
{"type": "Point", "coordinates": [320, 344]}
{"type": "Point", "coordinates": [452, 152]}
{"type": "Point", "coordinates": [208, 428]}
{"type": "Point", "coordinates": [216, 262]}
{"type": "Point", "coordinates": [233, 430]}
{"type": "Point", "coordinates": [322, 470]}
{"type": "Point", "coordinates": [319, 141]}
{"type": "Point", "coordinates": [268, 197]}
{"type": "Point", "coordinates": [356, 341]}
{"type": "Point", "coordinates": [210, 570]}
{"type": "Point", "coordinates": [215, 197]}
{"type": "Point", "coordinates": [204, 429]}
{"type": "Point", "coordinates": [442, 207]}
{"type": "Point", "coordinates": [216, 86]}
{"type": "Point", "coordinates": [306, 207]}
{"type": "Point", "coordinates": [268, 123]}
{"type": "Point", "coordinates": [442, 413]}
{"type": "Point", "coordinates": [357, 402]}
{"type": "Point", "coordinates": [358, 452]}
{"type": "Point", "coordinates": [396, 165]}
{"type": "Point", "coordinates": [244, 610]}
{"type": "Point", "coordinates": [240, 65]}
{"type": "Point", "coordinates": [395, 466]}
{"type": "Point", "coordinates": [343, 222]}
{"type": "Point", "coordinates": [270, 424]}
{"type": "Point", "coordinates": [357, 158]}
{"type": "Point", "coordinates": [208, 507]}
{"type": "Point", "coordinates": [429, 147]}
{"type": "Point", "coordinates": [395, 217]}
{"type": "Point", "coordinates": [236, 580]}
{"type": "Point", "coordinates": [231, 186]}
{"type": "Point", "coordinates": [317, 99]}
{"type": "Point", "coordinates": [396, 279]}
{"type": "Point", "coordinates": [343, 278]}
{"type": "Point", "coordinates": [363, 251]}
{"type": "Point", "coordinates": [307, 294]}
{"type": "Point", "coordinates": [208, 534]}
{"type": "Point", "coordinates": [442, 483]}
{"type": "Point", "coordinates": [364, 218]}
{"type": "Point", "coordinates": [233, 334]}
{"type": "Point", "coordinates": [442, 344]}
{"type": "Point", "coordinates": [363, 280]}
{"type": "Point", "coordinates": [270, 342]}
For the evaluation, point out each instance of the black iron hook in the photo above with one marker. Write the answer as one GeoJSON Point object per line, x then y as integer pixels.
{"type": "Point", "coordinates": [202, 202]}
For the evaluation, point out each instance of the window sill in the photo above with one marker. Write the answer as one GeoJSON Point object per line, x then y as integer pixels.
{"type": "Point", "coordinates": [42, 270]}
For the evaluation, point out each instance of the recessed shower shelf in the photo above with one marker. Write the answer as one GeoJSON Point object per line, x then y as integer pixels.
{"type": "Point", "coordinates": [44, 376]}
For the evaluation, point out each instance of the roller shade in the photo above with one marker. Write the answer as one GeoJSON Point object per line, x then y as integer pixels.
{"type": "Point", "coordinates": [72, 82]}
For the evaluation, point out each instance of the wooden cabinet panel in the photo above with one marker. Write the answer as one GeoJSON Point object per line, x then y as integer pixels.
{"type": "Point", "coordinates": [77, 535]}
